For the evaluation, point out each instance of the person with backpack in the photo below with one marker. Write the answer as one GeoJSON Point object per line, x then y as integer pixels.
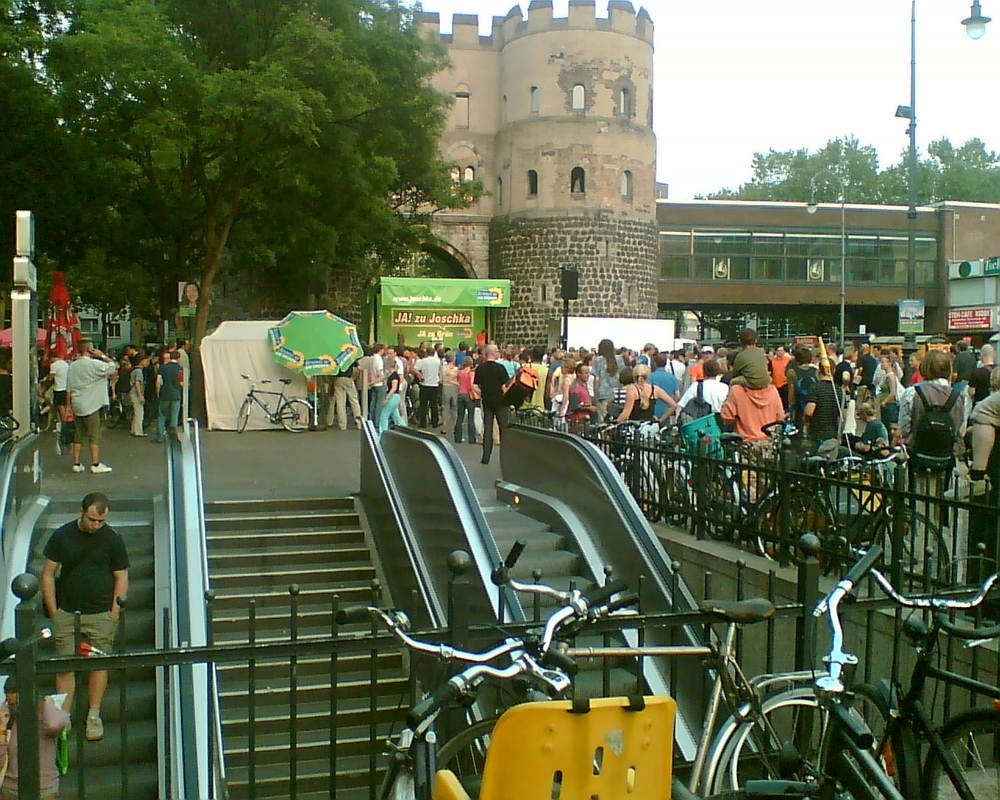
{"type": "Point", "coordinates": [932, 417]}
{"type": "Point", "coordinates": [802, 379]}
{"type": "Point", "coordinates": [695, 402]}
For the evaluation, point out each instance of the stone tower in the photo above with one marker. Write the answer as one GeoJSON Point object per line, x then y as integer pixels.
{"type": "Point", "coordinates": [554, 116]}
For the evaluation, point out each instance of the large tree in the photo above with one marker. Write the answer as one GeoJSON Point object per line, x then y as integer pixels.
{"type": "Point", "coordinates": [301, 133]}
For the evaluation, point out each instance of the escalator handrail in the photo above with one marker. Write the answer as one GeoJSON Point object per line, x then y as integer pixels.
{"type": "Point", "coordinates": [480, 544]}
{"type": "Point", "coordinates": [11, 450]}
{"type": "Point", "coordinates": [198, 715]}
{"type": "Point", "coordinates": [434, 605]}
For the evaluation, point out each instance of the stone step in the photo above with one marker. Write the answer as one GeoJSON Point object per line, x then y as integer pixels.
{"type": "Point", "coordinates": [226, 541]}
{"type": "Point", "coordinates": [273, 521]}
{"type": "Point", "coordinates": [278, 504]}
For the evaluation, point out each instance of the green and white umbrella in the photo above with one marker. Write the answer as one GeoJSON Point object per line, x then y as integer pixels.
{"type": "Point", "coordinates": [315, 343]}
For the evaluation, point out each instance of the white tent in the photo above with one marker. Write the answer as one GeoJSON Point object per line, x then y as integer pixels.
{"type": "Point", "coordinates": [234, 350]}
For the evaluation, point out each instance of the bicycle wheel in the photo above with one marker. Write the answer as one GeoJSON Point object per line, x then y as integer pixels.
{"type": "Point", "coordinates": [750, 750]}
{"type": "Point", "coordinates": [807, 513]}
{"type": "Point", "coordinates": [243, 416]}
{"type": "Point", "coordinates": [294, 415]}
{"type": "Point", "coordinates": [924, 550]}
{"type": "Point", "coordinates": [973, 737]}
{"type": "Point", "coordinates": [465, 754]}
{"type": "Point", "coordinates": [718, 503]}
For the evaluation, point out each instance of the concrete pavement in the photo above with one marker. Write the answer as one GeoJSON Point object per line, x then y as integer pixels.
{"type": "Point", "coordinates": [255, 464]}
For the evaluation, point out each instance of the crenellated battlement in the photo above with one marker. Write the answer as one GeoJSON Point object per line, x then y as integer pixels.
{"type": "Point", "coordinates": [622, 18]}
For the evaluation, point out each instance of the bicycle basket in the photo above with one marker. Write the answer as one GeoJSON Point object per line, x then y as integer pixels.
{"type": "Point", "coordinates": [703, 429]}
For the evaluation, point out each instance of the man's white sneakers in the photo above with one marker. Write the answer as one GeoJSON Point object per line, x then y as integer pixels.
{"type": "Point", "coordinates": [98, 468]}
{"type": "Point", "coordinates": [94, 729]}
{"type": "Point", "coordinates": [78, 468]}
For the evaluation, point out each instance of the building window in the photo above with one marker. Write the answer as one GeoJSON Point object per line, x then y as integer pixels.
{"type": "Point", "coordinates": [469, 175]}
{"type": "Point", "coordinates": [456, 175]}
{"type": "Point", "coordinates": [113, 330]}
{"type": "Point", "coordinates": [532, 183]}
{"type": "Point", "coordinates": [579, 97]}
{"type": "Point", "coordinates": [462, 106]}
{"type": "Point", "coordinates": [88, 324]}
{"type": "Point", "coordinates": [503, 109]}
{"type": "Point", "coordinates": [624, 103]}
{"type": "Point", "coordinates": [535, 100]}
{"type": "Point", "coordinates": [541, 293]}
{"type": "Point", "coordinates": [626, 185]}
{"type": "Point", "coordinates": [578, 181]}
{"type": "Point", "coordinates": [499, 191]}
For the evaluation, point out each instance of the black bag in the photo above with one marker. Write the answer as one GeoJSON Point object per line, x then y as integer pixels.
{"type": "Point", "coordinates": [697, 407]}
{"type": "Point", "coordinates": [805, 387]}
{"type": "Point", "coordinates": [935, 435]}
{"type": "Point", "coordinates": [521, 387]}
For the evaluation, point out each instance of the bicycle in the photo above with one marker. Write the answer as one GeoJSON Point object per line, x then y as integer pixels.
{"type": "Point", "coordinates": [413, 757]}
{"type": "Point", "coordinates": [962, 759]}
{"type": "Point", "coordinates": [851, 761]}
{"type": "Point", "coordinates": [119, 414]}
{"type": "Point", "coordinates": [764, 711]}
{"type": "Point", "coordinates": [292, 413]}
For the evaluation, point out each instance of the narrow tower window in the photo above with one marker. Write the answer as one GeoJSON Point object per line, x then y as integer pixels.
{"type": "Point", "coordinates": [532, 183]}
{"type": "Point", "coordinates": [626, 185]}
{"type": "Point", "coordinates": [577, 181]}
{"type": "Point", "coordinates": [624, 103]}
{"type": "Point", "coordinates": [456, 175]}
{"type": "Point", "coordinates": [462, 106]}
{"type": "Point", "coordinates": [499, 191]}
{"type": "Point", "coordinates": [534, 99]}
{"type": "Point", "coordinates": [579, 97]}
{"type": "Point", "coordinates": [469, 174]}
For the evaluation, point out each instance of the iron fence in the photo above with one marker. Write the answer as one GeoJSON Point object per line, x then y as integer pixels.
{"type": "Point", "coordinates": [763, 497]}
{"type": "Point", "coordinates": [311, 715]}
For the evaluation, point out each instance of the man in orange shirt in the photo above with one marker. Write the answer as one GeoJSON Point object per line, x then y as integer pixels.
{"type": "Point", "coordinates": [752, 409]}
{"type": "Point", "coordinates": [696, 372]}
{"type": "Point", "coordinates": [778, 364]}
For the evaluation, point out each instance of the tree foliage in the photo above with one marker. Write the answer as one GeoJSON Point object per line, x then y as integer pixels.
{"type": "Point", "coordinates": [271, 139]}
{"type": "Point", "coordinates": [970, 172]}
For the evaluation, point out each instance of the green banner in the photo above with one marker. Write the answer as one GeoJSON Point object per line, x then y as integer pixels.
{"type": "Point", "coordinates": [447, 326]}
{"type": "Point", "coordinates": [445, 292]}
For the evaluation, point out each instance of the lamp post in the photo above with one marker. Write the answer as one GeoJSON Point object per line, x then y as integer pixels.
{"type": "Point", "coordinates": [975, 27]}
{"type": "Point", "coordinates": [812, 208]}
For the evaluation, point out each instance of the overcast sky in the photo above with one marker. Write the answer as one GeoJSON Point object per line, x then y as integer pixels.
{"type": "Point", "coordinates": [735, 77]}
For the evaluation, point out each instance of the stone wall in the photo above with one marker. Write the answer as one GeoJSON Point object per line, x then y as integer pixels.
{"type": "Point", "coordinates": [616, 257]}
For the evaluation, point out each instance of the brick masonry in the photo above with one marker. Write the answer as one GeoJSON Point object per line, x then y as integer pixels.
{"type": "Point", "coordinates": [616, 257]}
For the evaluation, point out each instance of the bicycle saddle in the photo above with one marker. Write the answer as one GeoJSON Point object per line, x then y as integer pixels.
{"type": "Point", "coordinates": [745, 612]}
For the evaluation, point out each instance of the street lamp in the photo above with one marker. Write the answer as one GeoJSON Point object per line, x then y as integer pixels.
{"type": "Point", "coordinates": [975, 27]}
{"type": "Point", "coordinates": [812, 208]}
{"type": "Point", "coordinates": [975, 23]}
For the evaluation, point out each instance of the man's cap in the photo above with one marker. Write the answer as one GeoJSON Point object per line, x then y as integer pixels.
{"type": "Point", "coordinates": [708, 349]}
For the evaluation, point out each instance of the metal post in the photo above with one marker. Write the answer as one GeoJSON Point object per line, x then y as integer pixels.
{"type": "Point", "coordinates": [565, 324]}
{"type": "Point", "coordinates": [25, 587]}
{"type": "Point", "coordinates": [808, 593]}
{"type": "Point", "coordinates": [843, 267]}
{"type": "Point", "coordinates": [911, 163]}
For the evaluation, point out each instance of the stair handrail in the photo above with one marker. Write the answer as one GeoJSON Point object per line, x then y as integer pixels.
{"type": "Point", "coordinates": [195, 724]}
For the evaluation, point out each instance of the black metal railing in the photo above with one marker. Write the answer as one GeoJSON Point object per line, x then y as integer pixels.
{"type": "Point", "coordinates": [366, 684]}
{"type": "Point", "coordinates": [763, 499]}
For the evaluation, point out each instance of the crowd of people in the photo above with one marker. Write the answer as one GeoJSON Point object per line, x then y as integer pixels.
{"type": "Point", "coordinates": [148, 387]}
{"type": "Point", "coordinates": [860, 396]}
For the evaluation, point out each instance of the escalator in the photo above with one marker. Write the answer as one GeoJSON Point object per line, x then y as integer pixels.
{"type": "Point", "coordinates": [562, 496]}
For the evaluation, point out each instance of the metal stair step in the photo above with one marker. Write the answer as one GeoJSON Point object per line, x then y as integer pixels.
{"type": "Point", "coordinates": [238, 673]}
{"type": "Point", "coordinates": [314, 715]}
{"type": "Point", "coordinates": [272, 521]}
{"type": "Point", "coordinates": [223, 542]}
{"type": "Point", "coordinates": [279, 504]}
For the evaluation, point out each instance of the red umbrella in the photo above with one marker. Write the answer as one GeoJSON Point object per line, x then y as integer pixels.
{"type": "Point", "coordinates": [7, 337]}
{"type": "Point", "coordinates": [62, 326]}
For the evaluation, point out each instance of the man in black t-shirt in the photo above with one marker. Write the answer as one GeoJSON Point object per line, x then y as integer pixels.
{"type": "Point", "coordinates": [93, 571]}
{"type": "Point", "coordinates": [490, 378]}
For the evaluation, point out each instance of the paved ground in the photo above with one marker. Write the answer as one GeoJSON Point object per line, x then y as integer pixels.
{"type": "Point", "coordinates": [253, 464]}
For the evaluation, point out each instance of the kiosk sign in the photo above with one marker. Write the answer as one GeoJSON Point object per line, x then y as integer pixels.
{"type": "Point", "coordinates": [974, 318]}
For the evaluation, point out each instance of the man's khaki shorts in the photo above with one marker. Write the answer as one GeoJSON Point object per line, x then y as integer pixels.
{"type": "Point", "coordinates": [97, 629]}
{"type": "Point", "coordinates": [88, 428]}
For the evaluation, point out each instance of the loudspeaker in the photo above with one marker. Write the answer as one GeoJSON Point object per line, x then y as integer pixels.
{"type": "Point", "coordinates": [569, 284]}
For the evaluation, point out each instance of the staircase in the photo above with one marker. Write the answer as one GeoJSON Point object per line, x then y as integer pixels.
{"type": "Point", "coordinates": [105, 772]}
{"type": "Point", "coordinates": [257, 550]}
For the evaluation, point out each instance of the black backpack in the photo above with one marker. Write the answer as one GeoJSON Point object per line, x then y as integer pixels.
{"type": "Point", "coordinates": [697, 407]}
{"type": "Point", "coordinates": [935, 434]}
{"type": "Point", "coordinates": [805, 387]}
